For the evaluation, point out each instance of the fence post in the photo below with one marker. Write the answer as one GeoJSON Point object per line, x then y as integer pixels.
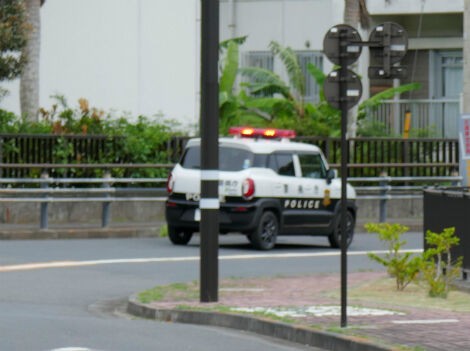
{"type": "Point", "coordinates": [105, 214]}
{"type": "Point", "coordinates": [383, 202]}
{"type": "Point", "coordinates": [44, 205]}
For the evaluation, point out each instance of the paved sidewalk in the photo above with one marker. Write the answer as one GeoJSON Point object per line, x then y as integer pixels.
{"type": "Point", "coordinates": [414, 327]}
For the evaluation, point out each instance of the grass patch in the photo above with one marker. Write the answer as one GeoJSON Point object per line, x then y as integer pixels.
{"type": "Point", "coordinates": [163, 233]}
{"type": "Point", "coordinates": [382, 291]}
{"type": "Point", "coordinates": [172, 292]}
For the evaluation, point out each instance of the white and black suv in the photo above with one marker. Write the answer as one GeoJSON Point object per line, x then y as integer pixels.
{"type": "Point", "coordinates": [267, 187]}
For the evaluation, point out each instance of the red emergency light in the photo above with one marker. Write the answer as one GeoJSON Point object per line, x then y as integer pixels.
{"type": "Point", "coordinates": [262, 132]}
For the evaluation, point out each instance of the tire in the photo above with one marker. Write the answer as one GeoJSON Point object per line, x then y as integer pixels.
{"type": "Point", "coordinates": [179, 236]}
{"type": "Point", "coordinates": [265, 235]}
{"type": "Point", "coordinates": [335, 237]}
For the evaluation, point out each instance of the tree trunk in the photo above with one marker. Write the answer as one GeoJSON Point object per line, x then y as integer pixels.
{"type": "Point", "coordinates": [29, 85]}
{"type": "Point", "coordinates": [352, 16]}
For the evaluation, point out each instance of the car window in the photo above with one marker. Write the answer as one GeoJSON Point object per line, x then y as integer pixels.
{"type": "Point", "coordinates": [282, 164]}
{"type": "Point", "coordinates": [312, 166]}
{"type": "Point", "coordinates": [230, 158]}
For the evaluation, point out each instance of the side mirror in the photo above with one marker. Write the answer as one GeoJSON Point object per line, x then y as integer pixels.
{"type": "Point", "coordinates": [330, 175]}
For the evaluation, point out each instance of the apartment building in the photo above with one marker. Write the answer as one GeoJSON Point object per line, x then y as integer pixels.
{"type": "Point", "coordinates": [142, 56]}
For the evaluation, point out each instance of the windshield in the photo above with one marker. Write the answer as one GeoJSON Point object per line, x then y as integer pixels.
{"type": "Point", "coordinates": [230, 158]}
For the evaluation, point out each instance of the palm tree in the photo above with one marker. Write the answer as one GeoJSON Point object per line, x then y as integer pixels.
{"type": "Point", "coordinates": [29, 84]}
{"type": "Point", "coordinates": [355, 14]}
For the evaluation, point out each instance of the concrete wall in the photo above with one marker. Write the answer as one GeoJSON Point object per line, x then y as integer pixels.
{"type": "Point", "coordinates": [408, 212]}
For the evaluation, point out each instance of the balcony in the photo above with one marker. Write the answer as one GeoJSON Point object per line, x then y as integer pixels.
{"type": "Point", "coordinates": [440, 117]}
{"type": "Point", "coordinates": [396, 7]}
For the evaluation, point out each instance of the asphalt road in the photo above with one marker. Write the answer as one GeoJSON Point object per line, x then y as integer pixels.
{"type": "Point", "coordinates": [58, 294]}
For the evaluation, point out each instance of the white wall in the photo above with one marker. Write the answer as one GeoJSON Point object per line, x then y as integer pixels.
{"type": "Point", "coordinates": [292, 23]}
{"type": "Point", "coordinates": [139, 56]}
{"type": "Point", "coordinates": [142, 56]}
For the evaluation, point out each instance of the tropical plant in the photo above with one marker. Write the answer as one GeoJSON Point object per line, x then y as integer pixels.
{"type": "Point", "coordinates": [265, 99]}
{"type": "Point", "coordinates": [230, 104]}
{"type": "Point", "coordinates": [263, 82]}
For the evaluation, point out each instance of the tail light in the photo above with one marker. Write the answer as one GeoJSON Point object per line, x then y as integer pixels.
{"type": "Point", "coordinates": [169, 184]}
{"type": "Point", "coordinates": [248, 189]}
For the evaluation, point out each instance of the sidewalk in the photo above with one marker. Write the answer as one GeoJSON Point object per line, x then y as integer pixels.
{"type": "Point", "coordinates": [417, 328]}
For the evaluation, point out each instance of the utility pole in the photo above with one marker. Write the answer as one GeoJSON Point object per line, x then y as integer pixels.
{"type": "Point", "coordinates": [209, 203]}
{"type": "Point", "coordinates": [465, 113]}
{"type": "Point", "coordinates": [466, 58]}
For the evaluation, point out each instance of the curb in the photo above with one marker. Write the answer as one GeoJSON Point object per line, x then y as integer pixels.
{"type": "Point", "coordinates": [78, 233]}
{"type": "Point", "coordinates": [292, 333]}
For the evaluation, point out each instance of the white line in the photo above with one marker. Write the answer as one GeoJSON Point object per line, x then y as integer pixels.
{"type": "Point", "coordinates": [63, 264]}
{"type": "Point", "coordinates": [427, 321]}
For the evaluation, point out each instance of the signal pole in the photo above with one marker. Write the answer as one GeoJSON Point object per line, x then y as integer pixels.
{"type": "Point", "coordinates": [342, 45]}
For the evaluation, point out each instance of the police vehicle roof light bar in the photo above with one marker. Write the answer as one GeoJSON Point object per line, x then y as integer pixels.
{"type": "Point", "coordinates": [262, 132]}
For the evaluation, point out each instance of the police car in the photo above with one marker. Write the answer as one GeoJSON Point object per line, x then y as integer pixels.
{"type": "Point", "coordinates": [268, 186]}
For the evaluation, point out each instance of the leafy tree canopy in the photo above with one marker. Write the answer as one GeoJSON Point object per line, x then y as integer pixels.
{"type": "Point", "coordinates": [13, 35]}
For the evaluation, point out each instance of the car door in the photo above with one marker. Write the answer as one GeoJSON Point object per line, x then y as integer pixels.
{"type": "Point", "coordinates": [287, 184]}
{"type": "Point", "coordinates": [316, 205]}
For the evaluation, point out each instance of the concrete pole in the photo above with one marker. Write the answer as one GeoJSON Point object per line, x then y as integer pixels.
{"type": "Point", "coordinates": [466, 58]}
{"type": "Point", "coordinates": [464, 161]}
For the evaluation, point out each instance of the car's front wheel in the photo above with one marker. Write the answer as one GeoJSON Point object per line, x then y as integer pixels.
{"type": "Point", "coordinates": [265, 235]}
{"type": "Point", "coordinates": [179, 236]}
{"type": "Point", "coordinates": [335, 237]}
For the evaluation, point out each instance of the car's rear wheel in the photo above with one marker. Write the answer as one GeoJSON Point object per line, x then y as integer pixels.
{"type": "Point", "coordinates": [265, 235]}
{"type": "Point", "coordinates": [335, 237]}
{"type": "Point", "coordinates": [179, 236]}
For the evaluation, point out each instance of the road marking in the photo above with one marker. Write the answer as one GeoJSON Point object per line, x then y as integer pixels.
{"type": "Point", "coordinates": [72, 349]}
{"type": "Point", "coordinates": [65, 264]}
{"type": "Point", "coordinates": [427, 321]}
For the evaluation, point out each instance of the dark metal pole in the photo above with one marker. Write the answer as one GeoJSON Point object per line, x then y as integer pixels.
{"type": "Point", "coordinates": [209, 203]}
{"type": "Point", "coordinates": [105, 212]}
{"type": "Point", "coordinates": [44, 205]}
{"type": "Point", "coordinates": [343, 87]}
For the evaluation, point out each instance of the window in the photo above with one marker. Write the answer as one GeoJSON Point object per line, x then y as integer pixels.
{"type": "Point", "coordinates": [230, 159]}
{"type": "Point", "coordinates": [261, 59]}
{"type": "Point", "coordinates": [312, 90]}
{"type": "Point", "coordinates": [282, 164]}
{"type": "Point", "coordinates": [312, 166]}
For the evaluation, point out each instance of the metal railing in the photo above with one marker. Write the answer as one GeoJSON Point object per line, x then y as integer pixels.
{"type": "Point", "coordinates": [386, 188]}
{"type": "Point", "coordinates": [25, 155]}
{"type": "Point", "coordinates": [395, 188]}
{"type": "Point", "coordinates": [46, 194]}
{"type": "Point", "coordinates": [440, 116]}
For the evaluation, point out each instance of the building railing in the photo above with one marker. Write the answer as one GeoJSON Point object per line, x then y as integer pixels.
{"type": "Point", "coordinates": [440, 116]}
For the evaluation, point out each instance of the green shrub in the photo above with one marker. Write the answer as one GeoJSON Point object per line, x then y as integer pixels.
{"type": "Point", "coordinates": [438, 267]}
{"type": "Point", "coordinates": [402, 266]}
{"type": "Point", "coordinates": [130, 140]}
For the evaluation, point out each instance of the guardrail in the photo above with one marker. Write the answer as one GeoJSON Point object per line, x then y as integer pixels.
{"type": "Point", "coordinates": [386, 188]}
{"type": "Point", "coordinates": [47, 194]}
